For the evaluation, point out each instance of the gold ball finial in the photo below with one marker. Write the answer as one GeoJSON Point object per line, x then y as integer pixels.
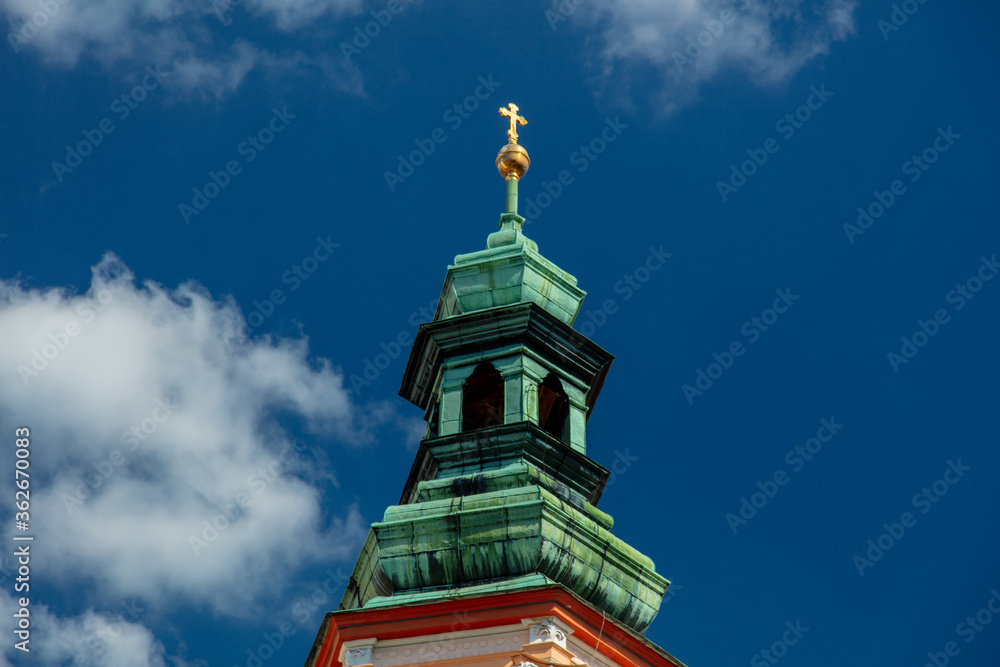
{"type": "Point", "coordinates": [513, 160]}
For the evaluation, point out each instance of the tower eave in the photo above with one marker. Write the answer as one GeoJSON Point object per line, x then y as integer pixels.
{"type": "Point", "coordinates": [526, 323]}
{"type": "Point", "coordinates": [510, 271]}
{"type": "Point", "coordinates": [449, 459]}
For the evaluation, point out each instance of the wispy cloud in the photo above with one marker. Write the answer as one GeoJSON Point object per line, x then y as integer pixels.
{"type": "Point", "coordinates": [687, 43]}
{"type": "Point", "coordinates": [184, 35]}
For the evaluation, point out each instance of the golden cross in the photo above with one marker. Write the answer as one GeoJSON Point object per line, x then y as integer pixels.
{"type": "Point", "coordinates": [514, 120]}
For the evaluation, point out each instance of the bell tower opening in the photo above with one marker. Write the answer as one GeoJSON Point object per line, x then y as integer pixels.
{"type": "Point", "coordinates": [553, 406]}
{"type": "Point", "coordinates": [482, 398]}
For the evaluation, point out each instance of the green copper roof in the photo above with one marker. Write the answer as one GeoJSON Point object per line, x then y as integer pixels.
{"type": "Point", "coordinates": [502, 538]}
{"type": "Point", "coordinates": [509, 271]}
{"type": "Point", "coordinates": [509, 506]}
{"type": "Point", "coordinates": [444, 464]}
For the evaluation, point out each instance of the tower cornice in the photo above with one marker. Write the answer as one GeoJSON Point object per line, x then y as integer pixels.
{"type": "Point", "coordinates": [467, 463]}
{"type": "Point", "coordinates": [442, 627]}
{"type": "Point", "coordinates": [524, 323]}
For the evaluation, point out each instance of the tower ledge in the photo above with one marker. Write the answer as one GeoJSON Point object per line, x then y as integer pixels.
{"type": "Point", "coordinates": [508, 272]}
{"type": "Point", "coordinates": [542, 624]}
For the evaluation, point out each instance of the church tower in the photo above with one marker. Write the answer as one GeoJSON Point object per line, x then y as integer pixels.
{"type": "Point", "coordinates": [496, 555]}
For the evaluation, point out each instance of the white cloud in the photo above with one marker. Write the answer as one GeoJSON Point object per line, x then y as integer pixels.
{"type": "Point", "coordinates": [150, 418]}
{"type": "Point", "coordinates": [292, 15]}
{"type": "Point", "coordinates": [687, 43]}
{"type": "Point", "coordinates": [107, 639]}
{"type": "Point", "coordinates": [188, 36]}
{"type": "Point", "coordinates": [222, 74]}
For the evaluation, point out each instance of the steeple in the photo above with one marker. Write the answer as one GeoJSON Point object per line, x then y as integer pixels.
{"type": "Point", "coordinates": [502, 495]}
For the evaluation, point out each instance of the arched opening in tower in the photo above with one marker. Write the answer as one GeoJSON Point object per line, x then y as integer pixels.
{"type": "Point", "coordinates": [553, 406]}
{"type": "Point", "coordinates": [482, 398]}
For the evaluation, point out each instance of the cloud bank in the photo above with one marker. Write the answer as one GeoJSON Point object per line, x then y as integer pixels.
{"type": "Point", "coordinates": [164, 467]}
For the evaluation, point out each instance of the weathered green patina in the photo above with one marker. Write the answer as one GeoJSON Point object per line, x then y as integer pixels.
{"type": "Point", "coordinates": [510, 506]}
{"type": "Point", "coordinates": [510, 270]}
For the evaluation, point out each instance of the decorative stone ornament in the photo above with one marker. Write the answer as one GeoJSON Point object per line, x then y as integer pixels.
{"type": "Point", "coordinates": [547, 629]}
{"type": "Point", "coordinates": [548, 632]}
{"type": "Point", "coordinates": [357, 653]}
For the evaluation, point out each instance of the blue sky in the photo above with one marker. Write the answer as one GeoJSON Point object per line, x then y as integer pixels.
{"type": "Point", "coordinates": [817, 353]}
